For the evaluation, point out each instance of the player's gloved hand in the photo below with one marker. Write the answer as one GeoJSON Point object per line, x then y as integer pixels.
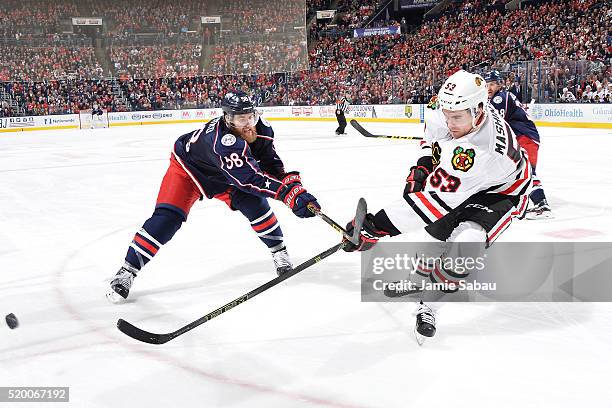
{"type": "Point", "coordinates": [416, 179]}
{"type": "Point", "coordinates": [368, 237]}
{"type": "Point", "coordinates": [297, 198]}
{"type": "Point", "coordinates": [291, 177]}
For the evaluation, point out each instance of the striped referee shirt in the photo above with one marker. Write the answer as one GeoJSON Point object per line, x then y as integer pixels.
{"type": "Point", "coordinates": [342, 105]}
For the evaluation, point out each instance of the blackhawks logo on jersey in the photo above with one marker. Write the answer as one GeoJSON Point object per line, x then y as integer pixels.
{"type": "Point", "coordinates": [463, 159]}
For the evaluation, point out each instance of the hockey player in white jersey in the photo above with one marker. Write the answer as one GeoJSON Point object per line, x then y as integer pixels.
{"type": "Point", "coordinates": [470, 182]}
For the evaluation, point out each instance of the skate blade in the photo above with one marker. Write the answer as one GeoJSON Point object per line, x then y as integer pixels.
{"type": "Point", "coordinates": [420, 339]}
{"type": "Point", "coordinates": [402, 294]}
{"type": "Point", "coordinates": [547, 215]}
{"type": "Point", "coordinates": [114, 297]}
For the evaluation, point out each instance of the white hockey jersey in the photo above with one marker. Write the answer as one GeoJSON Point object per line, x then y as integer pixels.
{"type": "Point", "coordinates": [486, 160]}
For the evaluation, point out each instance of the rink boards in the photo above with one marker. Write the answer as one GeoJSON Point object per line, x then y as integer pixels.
{"type": "Point", "coordinates": [555, 115]}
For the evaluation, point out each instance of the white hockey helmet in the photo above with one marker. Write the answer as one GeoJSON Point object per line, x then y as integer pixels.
{"type": "Point", "coordinates": [464, 90]}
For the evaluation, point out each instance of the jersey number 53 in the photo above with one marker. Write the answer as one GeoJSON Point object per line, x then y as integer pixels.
{"type": "Point", "coordinates": [445, 182]}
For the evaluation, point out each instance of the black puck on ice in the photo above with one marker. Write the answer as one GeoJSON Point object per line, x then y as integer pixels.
{"type": "Point", "coordinates": [12, 321]}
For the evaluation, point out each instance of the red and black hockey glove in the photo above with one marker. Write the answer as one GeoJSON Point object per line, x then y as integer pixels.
{"type": "Point", "coordinates": [291, 177]}
{"type": "Point", "coordinates": [416, 179]}
{"type": "Point", "coordinates": [295, 196]}
{"type": "Point", "coordinates": [368, 237]}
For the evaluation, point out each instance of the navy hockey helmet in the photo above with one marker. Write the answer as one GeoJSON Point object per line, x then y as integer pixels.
{"type": "Point", "coordinates": [237, 102]}
{"type": "Point", "coordinates": [239, 110]}
{"type": "Point", "coordinates": [492, 76]}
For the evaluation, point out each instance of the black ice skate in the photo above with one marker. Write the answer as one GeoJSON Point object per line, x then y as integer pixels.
{"type": "Point", "coordinates": [282, 261]}
{"type": "Point", "coordinates": [399, 290]}
{"type": "Point", "coordinates": [412, 285]}
{"type": "Point", "coordinates": [425, 323]}
{"type": "Point", "coordinates": [539, 211]}
{"type": "Point", "coordinates": [122, 282]}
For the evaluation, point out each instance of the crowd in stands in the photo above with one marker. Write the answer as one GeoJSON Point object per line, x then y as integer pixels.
{"type": "Point", "coordinates": [23, 17]}
{"type": "Point", "coordinates": [314, 5]}
{"type": "Point", "coordinates": [202, 92]}
{"type": "Point", "coordinates": [148, 16]}
{"type": "Point", "coordinates": [264, 56]}
{"type": "Point", "coordinates": [64, 96]}
{"type": "Point", "coordinates": [569, 42]}
{"type": "Point", "coordinates": [156, 61]}
{"type": "Point", "coordinates": [27, 63]}
{"type": "Point", "coordinates": [262, 16]}
{"type": "Point", "coordinates": [350, 14]}
{"type": "Point", "coordinates": [353, 13]}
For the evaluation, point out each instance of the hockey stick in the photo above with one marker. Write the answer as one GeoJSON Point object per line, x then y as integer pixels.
{"type": "Point", "coordinates": [353, 238]}
{"type": "Point", "coordinates": [364, 132]}
{"type": "Point", "coordinates": [154, 338]}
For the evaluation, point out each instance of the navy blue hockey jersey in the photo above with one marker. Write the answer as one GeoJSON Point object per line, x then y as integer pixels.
{"type": "Point", "coordinates": [218, 159]}
{"type": "Point", "coordinates": [508, 106]}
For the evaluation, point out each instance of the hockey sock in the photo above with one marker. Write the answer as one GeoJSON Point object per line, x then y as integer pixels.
{"type": "Point", "coordinates": [155, 232]}
{"type": "Point", "coordinates": [262, 219]}
{"type": "Point", "coordinates": [537, 194]}
{"type": "Point", "coordinates": [268, 230]}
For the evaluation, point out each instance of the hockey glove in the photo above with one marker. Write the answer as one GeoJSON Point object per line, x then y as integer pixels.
{"type": "Point", "coordinates": [291, 177]}
{"type": "Point", "coordinates": [297, 198]}
{"type": "Point", "coordinates": [416, 179]}
{"type": "Point", "coordinates": [368, 237]}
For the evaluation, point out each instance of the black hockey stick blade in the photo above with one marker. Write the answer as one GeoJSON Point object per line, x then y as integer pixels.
{"type": "Point", "coordinates": [142, 335]}
{"type": "Point", "coordinates": [364, 132]}
{"type": "Point", "coordinates": [161, 338]}
{"type": "Point", "coordinates": [360, 213]}
{"type": "Point", "coordinates": [360, 128]}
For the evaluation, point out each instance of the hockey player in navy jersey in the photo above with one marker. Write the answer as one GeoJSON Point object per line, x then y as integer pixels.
{"type": "Point", "coordinates": [232, 158]}
{"type": "Point", "coordinates": [527, 136]}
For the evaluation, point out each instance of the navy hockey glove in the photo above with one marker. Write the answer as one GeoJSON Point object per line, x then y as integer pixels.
{"type": "Point", "coordinates": [368, 237]}
{"type": "Point", "coordinates": [416, 179]}
{"type": "Point", "coordinates": [297, 198]}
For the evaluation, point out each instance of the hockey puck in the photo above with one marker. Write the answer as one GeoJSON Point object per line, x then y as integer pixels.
{"type": "Point", "coordinates": [11, 321]}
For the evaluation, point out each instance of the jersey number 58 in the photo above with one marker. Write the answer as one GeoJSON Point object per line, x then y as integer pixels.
{"type": "Point", "coordinates": [233, 160]}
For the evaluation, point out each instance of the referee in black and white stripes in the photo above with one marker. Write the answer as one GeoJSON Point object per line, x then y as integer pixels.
{"type": "Point", "coordinates": [341, 107]}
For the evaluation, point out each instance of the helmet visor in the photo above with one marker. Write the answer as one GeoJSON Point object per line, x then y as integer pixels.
{"type": "Point", "coordinates": [241, 120]}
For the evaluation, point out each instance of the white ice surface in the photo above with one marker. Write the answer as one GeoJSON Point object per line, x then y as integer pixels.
{"type": "Point", "coordinates": [70, 202]}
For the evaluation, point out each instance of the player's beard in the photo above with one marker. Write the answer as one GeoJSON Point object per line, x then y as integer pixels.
{"type": "Point", "coordinates": [247, 133]}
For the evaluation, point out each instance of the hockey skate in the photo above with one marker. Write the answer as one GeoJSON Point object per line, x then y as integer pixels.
{"type": "Point", "coordinates": [282, 261]}
{"type": "Point", "coordinates": [539, 211]}
{"type": "Point", "coordinates": [120, 285]}
{"type": "Point", "coordinates": [414, 284]}
{"type": "Point", "coordinates": [400, 290]}
{"type": "Point", "coordinates": [425, 323]}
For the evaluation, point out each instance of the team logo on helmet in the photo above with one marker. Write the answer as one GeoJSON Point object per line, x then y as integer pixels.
{"type": "Point", "coordinates": [228, 140]}
{"type": "Point", "coordinates": [433, 102]}
{"type": "Point", "coordinates": [478, 81]}
{"type": "Point", "coordinates": [463, 160]}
